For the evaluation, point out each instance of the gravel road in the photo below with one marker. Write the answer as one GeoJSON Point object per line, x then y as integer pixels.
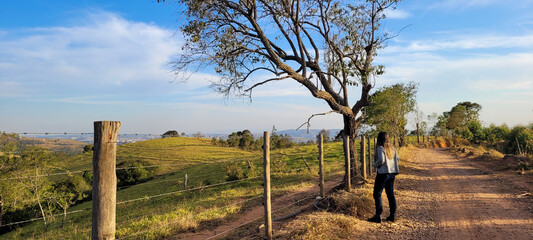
{"type": "Point", "coordinates": [444, 197]}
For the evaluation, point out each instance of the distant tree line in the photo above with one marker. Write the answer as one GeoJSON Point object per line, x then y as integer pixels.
{"type": "Point", "coordinates": [245, 140]}
{"type": "Point", "coordinates": [463, 121]}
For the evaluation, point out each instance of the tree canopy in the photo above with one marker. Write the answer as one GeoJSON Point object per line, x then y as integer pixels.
{"type": "Point", "coordinates": [327, 46]}
{"type": "Point", "coordinates": [389, 108]}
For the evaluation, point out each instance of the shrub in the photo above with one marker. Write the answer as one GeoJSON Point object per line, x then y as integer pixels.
{"type": "Point", "coordinates": [233, 172]}
{"type": "Point", "coordinates": [496, 133]}
{"type": "Point", "coordinates": [87, 148]}
{"type": "Point", "coordinates": [520, 140]}
{"type": "Point", "coordinates": [134, 172]}
{"type": "Point", "coordinates": [478, 135]}
{"type": "Point", "coordinates": [88, 176]}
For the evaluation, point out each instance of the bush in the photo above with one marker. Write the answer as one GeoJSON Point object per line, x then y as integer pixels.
{"type": "Point", "coordinates": [87, 148]}
{"type": "Point", "coordinates": [88, 176]}
{"type": "Point", "coordinates": [134, 172]}
{"type": "Point", "coordinates": [495, 134]}
{"type": "Point", "coordinates": [478, 134]}
{"type": "Point", "coordinates": [234, 172]}
{"type": "Point", "coordinates": [75, 187]}
{"type": "Point", "coordinates": [520, 141]}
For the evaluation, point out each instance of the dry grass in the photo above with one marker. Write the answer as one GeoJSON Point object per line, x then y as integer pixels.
{"type": "Point", "coordinates": [358, 202]}
{"type": "Point", "coordinates": [322, 225]}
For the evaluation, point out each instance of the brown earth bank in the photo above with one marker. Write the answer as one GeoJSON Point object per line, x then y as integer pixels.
{"type": "Point", "coordinates": [440, 195]}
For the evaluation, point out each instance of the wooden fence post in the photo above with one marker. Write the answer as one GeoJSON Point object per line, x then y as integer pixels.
{"type": "Point", "coordinates": [363, 156]}
{"type": "Point", "coordinates": [347, 176]}
{"type": "Point", "coordinates": [370, 159]}
{"type": "Point", "coordinates": [266, 184]}
{"type": "Point", "coordinates": [185, 181]}
{"type": "Point", "coordinates": [321, 166]}
{"type": "Point", "coordinates": [104, 180]}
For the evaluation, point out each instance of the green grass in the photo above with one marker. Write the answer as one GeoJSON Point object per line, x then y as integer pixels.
{"type": "Point", "coordinates": [155, 217]}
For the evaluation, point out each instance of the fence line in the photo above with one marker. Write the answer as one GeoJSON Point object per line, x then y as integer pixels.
{"type": "Point", "coordinates": [81, 133]}
{"type": "Point", "coordinates": [256, 219]}
{"type": "Point", "coordinates": [120, 168]}
{"type": "Point", "coordinates": [44, 175]}
{"type": "Point", "coordinates": [180, 191]}
{"type": "Point", "coordinates": [169, 193]}
{"type": "Point", "coordinates": [172, 222]}
{"type": "Point", "coordinates": [168, 180]}
{"type": "Point", "coordinates": [36, 219]}
{"type": "Point", "coordinates": [273, 191]}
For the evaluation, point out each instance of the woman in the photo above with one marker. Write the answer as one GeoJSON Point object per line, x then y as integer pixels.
{"type": "Point", "coordinates": [386, 162]}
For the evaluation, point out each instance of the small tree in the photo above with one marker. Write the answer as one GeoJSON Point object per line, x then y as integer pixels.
{"type": "Point", "coordinates": [389, 109]}
{"type": "Point", "coordinates": [198, 135]}
{"type": "Point", "coordinates": [420, 124]}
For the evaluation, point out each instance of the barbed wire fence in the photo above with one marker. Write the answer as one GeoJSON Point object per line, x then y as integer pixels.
{"type": "Point", "coordinates": [177, 181]}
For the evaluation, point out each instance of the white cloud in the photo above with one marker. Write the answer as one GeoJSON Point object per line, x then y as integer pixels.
{"type": "Point", "coordinates": [396, 14]}
{"type": "Point", "coordinates": [463, 42]}
{"type": "Point", "coordinates": [465, 4]}
{"type": "Point", "coordinates": [105, 51]}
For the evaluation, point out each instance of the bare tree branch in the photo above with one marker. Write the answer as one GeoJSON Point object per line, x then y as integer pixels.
{"type": "Point", "coordinates": [316, 114]}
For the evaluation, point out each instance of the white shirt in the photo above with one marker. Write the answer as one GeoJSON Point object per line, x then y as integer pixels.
{"type": "Point", "coordinates": [385, 164]}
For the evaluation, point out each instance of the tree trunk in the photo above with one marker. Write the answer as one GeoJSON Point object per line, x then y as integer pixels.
{"type": "Point", "coordinates": [417, 134]}
{"type": "Point", "coordinates": [39, 199]}
{"type": "Point", "coordinates": [42, 212]}
{"type": "Point", "coordinates": [350, 128]}
{"type": "Point", "coordinates": [64, 216]}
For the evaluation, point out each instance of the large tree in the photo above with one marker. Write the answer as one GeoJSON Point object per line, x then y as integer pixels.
{"type": "Point", "coordinates": [327, 46]}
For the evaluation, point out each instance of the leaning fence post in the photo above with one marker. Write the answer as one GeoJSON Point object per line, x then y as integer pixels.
{"type": "Point", "coordinates": [321, 165]}
{"type": "Point", "coordinates": [347, 173]}
{"type": "Point", "coordinates": [104, 179]}
{"type": "Point", "coordinates": [363, 156]}
{"type": "Point", "coordinates": [185, 181]}
{"type": "Point", "coordinates": [266, 184]}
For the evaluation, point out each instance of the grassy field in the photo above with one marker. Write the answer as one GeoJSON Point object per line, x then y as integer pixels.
{"type": "Point", "coordinates": [163, 207]}
{"type": "Point", "coordinates": [55, 145]}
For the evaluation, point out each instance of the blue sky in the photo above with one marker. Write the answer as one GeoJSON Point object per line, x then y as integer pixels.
{"type": "Point", "coordinates": [65, 64]}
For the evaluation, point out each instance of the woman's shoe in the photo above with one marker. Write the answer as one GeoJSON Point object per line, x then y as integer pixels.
{"type": "Point", "coordinates": [376, 219]}
{"type": "Point", "coordinates": [390, 218]}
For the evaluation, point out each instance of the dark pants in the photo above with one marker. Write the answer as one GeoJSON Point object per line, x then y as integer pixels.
{"type": "Point", "coordinates": [384, 180]}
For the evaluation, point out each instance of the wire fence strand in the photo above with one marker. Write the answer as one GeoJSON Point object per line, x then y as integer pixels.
{"type": "Point", "coordinates": [36, 219]}
{"type": "Point", "coordinates": [180, 191]}
{"type": "Point", "coordinates": [172, 222]}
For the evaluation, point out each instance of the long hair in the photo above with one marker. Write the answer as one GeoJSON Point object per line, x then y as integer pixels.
{"type": "Point", "coordinates": [383, 140]}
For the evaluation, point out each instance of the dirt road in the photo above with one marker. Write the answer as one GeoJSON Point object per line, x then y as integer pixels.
{"type": "Point", "coordinates": [444, 197]}
{"type": "Point", "coordinates": [439, 197]}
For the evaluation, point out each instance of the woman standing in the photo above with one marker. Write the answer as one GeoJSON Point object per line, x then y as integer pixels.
{"type": "Point", "coordinates": [386, 162]}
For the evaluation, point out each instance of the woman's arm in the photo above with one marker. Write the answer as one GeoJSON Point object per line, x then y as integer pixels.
{"type": "Point", "coordinates": [380, 157]}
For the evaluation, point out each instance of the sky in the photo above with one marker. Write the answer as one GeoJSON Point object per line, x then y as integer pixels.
{"type": "Point", "coordinates": [65, 64]}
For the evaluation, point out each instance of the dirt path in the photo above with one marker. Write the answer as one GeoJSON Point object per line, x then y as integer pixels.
{"type": "Point", "coordinates": [443, 197]}
{"type": "Point", "coordinates": [439, 197]}
{"type": "Point", "coordinates": [255, 214]}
